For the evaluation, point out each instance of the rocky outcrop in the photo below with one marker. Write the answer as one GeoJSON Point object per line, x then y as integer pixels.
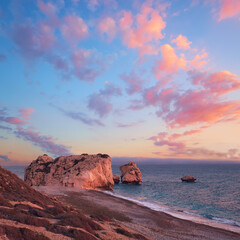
{"type": "Point", "coordinates": [36, 172]}
{"type": "Point", "coordinates": [131, 174]}
{"type": "Point", "coordinates": [81, 171]}
{"type": "Point", "coordinates": [116, 179]}
{"type": "Point", "coordinates": [188, 179]}
{"type": "Point", "coordinates": [28, 214]}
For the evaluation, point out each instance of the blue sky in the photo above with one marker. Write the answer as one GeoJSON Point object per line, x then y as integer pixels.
{"type": "Point", "coordinates": [153, 79]}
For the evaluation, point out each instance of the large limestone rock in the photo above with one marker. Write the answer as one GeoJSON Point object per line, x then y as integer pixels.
{"type": "Point", "coordinates": [130, 174]}
{"type": "Point", "coordinates": [80, 171]}
{"type": "Point", "coordinates": [188, 179]}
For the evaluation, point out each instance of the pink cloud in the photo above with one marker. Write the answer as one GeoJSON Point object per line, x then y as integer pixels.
{"type": "Point", "coordinates": [180, 148]}
{"type": "Point", "coordinates": [59, 63]}
{"type": "Point", "coordinates": [134, 82]}
{"type": "Point", "coordinates": [33, 41]}
{"type": "Point", "coordinates": [73, 29]}
{"type": "Point", "coordinates": [79, 116]}
{"type": "Point", "coordinates": [189, 107]}
{"type": "Point", "coordinates": [199, 60]}
{"type": "Point", "coordinates": [186, 133]}
{"type": "Point", "coordinates": [200, 107]}
{"type": "Point", "coordinates": [25, 112]}
{"type": "Point", "coordinates": [154, 97]}
{"type": "Point", "coordinates": [160, 140]}
{"type": "Point", "coordinates": [88, 64]}
{"type": "Point", "coordinates": [100, 102]}
{"type": "Point", "coordinates": [14, 120]}
{"type": "Point", "coordinates": [46, 143]}
{"type": "Point", "coordinates": [47, 8]}
{"type": "Point", "coordinates": [229, 9]}
{"type": "Point", "coordinates": [231, 154]}
{"type": "Point", "coordinates": [217, 83]}
{"type": "Point", "coordinates": [107, 28]}
{"type": "Point", "coordinates": [142, 31]}
{"type": "Point", "coordinates": [11, 120]}
{"type": "Point", "coordinates": [111, 4]}
{"type": "Point", "coordinates": [182, 42]}
{"type": "Point", "coordinates": [92, 4]}
{"type": "Point", "coordinates": [170, 62]}
{"type": "Point", "coordinates": [100, 105]}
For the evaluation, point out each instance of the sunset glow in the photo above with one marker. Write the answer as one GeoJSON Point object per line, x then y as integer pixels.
{"type": "Point", "coordinates": [150, 79]}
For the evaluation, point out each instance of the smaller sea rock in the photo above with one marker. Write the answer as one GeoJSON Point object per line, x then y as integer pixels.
{"type": "Point", "coordinates": [131, 174]}
{"type": "Point", "coordinates": [116, 179]}
{"type": "Point", "coordinates": [188, 179]}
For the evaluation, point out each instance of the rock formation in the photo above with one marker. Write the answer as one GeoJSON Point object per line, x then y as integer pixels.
{"type": "Point", "coordinates": [28, 214]}
{"type": "Point", "coordinates": [81, 171]}
{"type": "Point", "coordinates": [116, 179]}
{"type": "Point", "coordinates": [188, 179]}
{"type": "Point", "coordinates": [130, 174]}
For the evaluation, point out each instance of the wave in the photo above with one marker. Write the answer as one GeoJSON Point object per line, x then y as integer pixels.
{"type": "Point", "coordinates": [227, 221]}
{"type": "Point", "coordinates": [222, 223]}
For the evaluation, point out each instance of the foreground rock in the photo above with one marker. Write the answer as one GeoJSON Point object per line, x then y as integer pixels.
{"type": "Point", "coordinates": [27, 214]}
{"type": "Point", "coordinates": [188, 179]}
{"type": "Point", "coordinates": [131, 174]}
{"type": "Point", "coordinates": [116, 179]}
{"type": "Point", "coordinates": [81, 171]}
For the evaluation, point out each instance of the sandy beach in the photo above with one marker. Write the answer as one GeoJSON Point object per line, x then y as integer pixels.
{"type": "Point", "coordinates": [123, 216]}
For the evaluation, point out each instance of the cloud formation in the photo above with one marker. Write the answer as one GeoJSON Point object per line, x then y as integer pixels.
{"type": "Point", "coordinates": [144, 30]}
{"type": "Point", "coordinates": [5, 128]}
{"type": "Point", "coordinates": [11, 120]}
{"type": "Point", "coordinates": [202, 103]}
{"type": "Point", "coordinates": [133, 81]}
{"type": "Point", "coordinates": [88, 64]}
{"type": "Point", "coordinates": [182, 42]}
{"type": "Point", "coordinates": [47, 8]}
{"type": "Point", "coordinates": [73, 29]}
{"type": "Point", "coordinates": [25, 112]}
{"type": "Point", "coordinates": [199, 60]}
{"type": "Point", "coordinates": [100, 102]}
{"type": "Point", "coordinates": [79, 116]}
{"type": "Point", "coordinates": [229, 9]}
{"type": "Point", "coordinates": [107, 28]}
{"type": "Point", "coordinates": [179, 148]}
{"type": "Point", "coordinates": [46, 143]}
{"type": "Point", "coordinates": [33, 41]}
{"type": "Point", "coordinates": [218, 83]}
{"type": "Point", "coordinates": [170, 62]}
{"type": "Point", "coordinates": [4, 158]}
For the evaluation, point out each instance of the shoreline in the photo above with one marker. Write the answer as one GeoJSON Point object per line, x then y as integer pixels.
{"type": "Point", "coordinates": [148, 222]}
{"type": "Point", "coordinates": [179, 214]}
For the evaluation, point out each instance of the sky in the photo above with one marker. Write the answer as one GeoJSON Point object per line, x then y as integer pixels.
{"type": "Point", "coordinates": [149, 79]}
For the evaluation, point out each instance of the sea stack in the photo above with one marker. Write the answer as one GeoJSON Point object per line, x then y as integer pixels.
{"type": "Point", "coordinates": [80, 171]}
{"type": "Point", "coordinates": [116, 179]}
{"type": "Point", "coordinates": [188, 179]}
{"type": "Point", "coordinates": [131, 174]}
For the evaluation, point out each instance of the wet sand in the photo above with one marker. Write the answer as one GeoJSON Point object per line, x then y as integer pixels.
{"type": "Point", "coordinates": [133, 217]}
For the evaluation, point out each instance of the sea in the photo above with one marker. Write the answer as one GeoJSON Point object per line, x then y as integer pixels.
{"type": "Point", "coordinates": [214, 198]}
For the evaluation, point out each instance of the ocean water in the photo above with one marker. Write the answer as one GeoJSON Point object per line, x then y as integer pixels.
{"type": "Point", "coordinates": [213, 198]}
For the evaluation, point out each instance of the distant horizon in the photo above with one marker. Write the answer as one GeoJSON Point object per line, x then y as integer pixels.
{"type": "Point", "coordinates": [116, 161]}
